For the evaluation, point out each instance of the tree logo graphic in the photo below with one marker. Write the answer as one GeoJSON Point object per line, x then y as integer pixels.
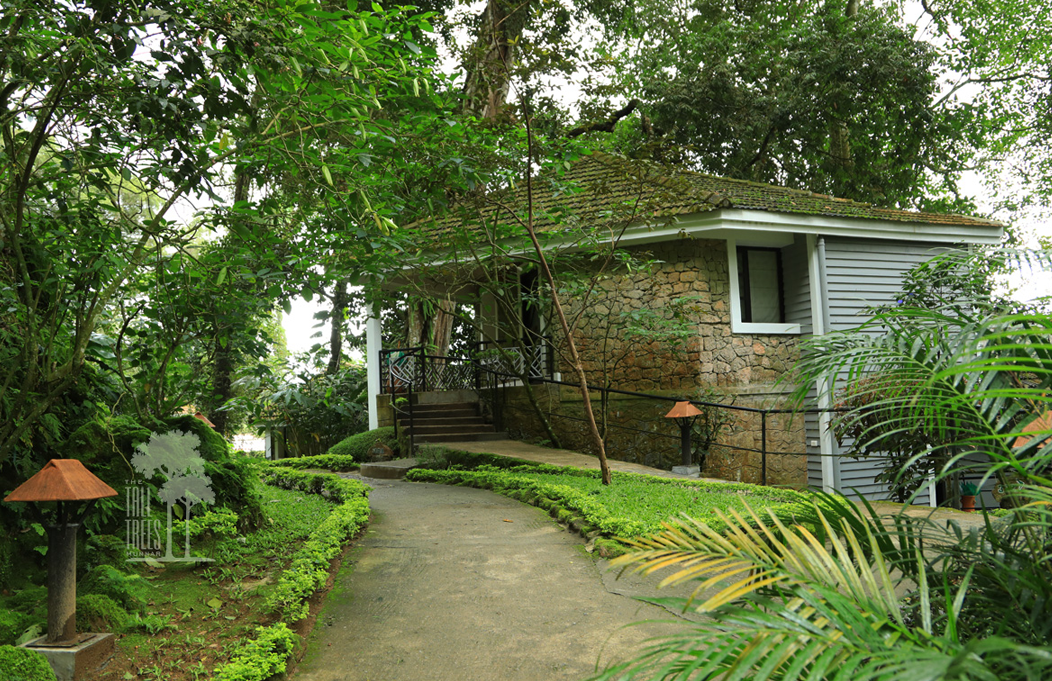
{"type": "Point", "coordinates": [175, 457]}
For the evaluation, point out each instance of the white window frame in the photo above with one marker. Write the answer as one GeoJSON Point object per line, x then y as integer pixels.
{"type": "Point", "coordinates": [737, 325]}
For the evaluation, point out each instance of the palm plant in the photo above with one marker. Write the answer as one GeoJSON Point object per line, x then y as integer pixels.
{"type": "Point", "coordinates": [856, 596]}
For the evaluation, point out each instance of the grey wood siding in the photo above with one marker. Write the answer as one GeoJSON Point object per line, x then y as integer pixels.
{"type": "Point", "coordinates": [796, 284]}
{"type": "Point", "coordinates": [862, 273]}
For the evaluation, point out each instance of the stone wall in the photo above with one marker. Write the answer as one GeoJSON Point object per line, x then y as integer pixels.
{"type": "Point", "coordinates": [691, 275]}
{"type": "Point", "coordinates": [640, 433]}
{"type": "Point", "coordinates": [740, 369]}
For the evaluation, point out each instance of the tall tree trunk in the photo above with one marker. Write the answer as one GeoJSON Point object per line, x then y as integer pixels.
{"type": "Point", "coordinates": [560, 314]}
{"type": "Point", "coordinates": [489, 62]}
{"type": "Point", "coordinates": [223, 363]}
{"type": "Point", "coordinates": [336, 320]}
{"type": "Point", "coordinates": [839, 135]}
{"type": "Point", "coordinates": [442, 327]}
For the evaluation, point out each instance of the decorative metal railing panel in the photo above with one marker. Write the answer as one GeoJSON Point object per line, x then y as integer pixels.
{"type": "Point", "coordinates": [449, 373]}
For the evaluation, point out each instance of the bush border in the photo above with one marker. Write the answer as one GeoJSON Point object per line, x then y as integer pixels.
{"type": "Point", "coordinates": [268, 654]}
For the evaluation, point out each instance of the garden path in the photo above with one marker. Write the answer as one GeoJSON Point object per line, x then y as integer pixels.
{"type": "Point", "coordinates": [456, 583]}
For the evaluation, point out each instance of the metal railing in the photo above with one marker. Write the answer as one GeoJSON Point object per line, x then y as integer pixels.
{"type": "Point", "coordinates": [492, 367]}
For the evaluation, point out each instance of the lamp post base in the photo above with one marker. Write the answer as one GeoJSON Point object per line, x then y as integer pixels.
{"type": "Point", "coordinates": [689, 471]}
{"type": "Point", "coordinates": [78, 659]}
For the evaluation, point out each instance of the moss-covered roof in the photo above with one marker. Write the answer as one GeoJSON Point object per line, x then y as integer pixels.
{"type": "Point", "coordinates": [601, 190]}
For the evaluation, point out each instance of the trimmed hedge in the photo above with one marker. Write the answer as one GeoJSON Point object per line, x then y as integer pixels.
{"type": "Point", "coordinates": [310, 565]}
{"type": "Point", "coordinates": [22, 664]}
{"type": "Point", "coordinates": [358, 446]}
{"type": "Point", "coordinates": [331, 462]}
{"type": "Point", "coordinates": [267, 655]}
{"type": "Point", "coordinates": [262, 658]}
{"type": "Point", "coordinates": [585, 513]}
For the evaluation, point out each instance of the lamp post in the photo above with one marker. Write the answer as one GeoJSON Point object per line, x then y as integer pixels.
{"type": "Point", "coordinates": [65, 481]}
{"type": "Point", "coordinates": [685, 414]}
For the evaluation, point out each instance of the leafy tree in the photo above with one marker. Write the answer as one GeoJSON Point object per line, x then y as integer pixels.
{"type": "Point", "coordinates": [835, 97]}
{"type": "Point", "coordinates": [113, 116]}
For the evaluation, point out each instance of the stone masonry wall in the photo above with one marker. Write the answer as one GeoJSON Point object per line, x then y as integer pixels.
{"type": "Point", "coordinates": [739, 369]}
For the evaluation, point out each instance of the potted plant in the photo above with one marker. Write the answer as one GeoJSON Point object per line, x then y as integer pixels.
{"type": "Point", "coordinates": [968, 492]}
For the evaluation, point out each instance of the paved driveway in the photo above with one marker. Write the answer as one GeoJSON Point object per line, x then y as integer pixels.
{"type": "Point", "coordinates": [460, 584]}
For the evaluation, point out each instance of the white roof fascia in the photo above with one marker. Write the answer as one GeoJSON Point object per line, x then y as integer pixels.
{"type": "Point", "coordinates": [740, 220]}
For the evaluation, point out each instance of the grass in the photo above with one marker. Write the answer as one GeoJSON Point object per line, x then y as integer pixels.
{"type": "Point", "coordinates": [633, 506]}
{"type": "Point", "coordinates": [198, 615]}
{"type": "Point", "coordinates": [651, 503]}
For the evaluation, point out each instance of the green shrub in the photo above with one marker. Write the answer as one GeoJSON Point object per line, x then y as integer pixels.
{"type": "Point", "coordinates": [358, 446]}
{"type": "Point", "coordinates": [263, 658]}
{"type": "Point", "coordinates": [22, 664]}
{"type": "Point", "coordinates": [330, 462]}
{"type": "Point", "coordinates": [96, 612]}
{"type": "Point", "coordinates": [235, 480]}
{"type": "Point", "coordinates": [129, 591]}
{"type": "Point", "coordinates": [310, 565]}
{"type": "Point", "coordinates": [12, 624]}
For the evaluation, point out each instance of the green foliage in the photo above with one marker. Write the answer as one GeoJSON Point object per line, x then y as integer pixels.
{"type": "Point", "coordinates": [315, 409]}
{"type": "Point", "coordinates": [150, 624]}
{"type": "Point", "coordinates": [264, 657]}
{"type": "Point", "coordinates": [214, 523]}
{"type": "Point", "coordinates": [358, 446]}
{"type": "Point", "coordinates": [22, 664]}
{"type": "Point", "coordinates": [310, 565]}
{"type": "Point", "coordinates": [12, 624]}
{"type": "Point", "coordinates": [99, 276]}
{"type": "Point", "coordinates": [634, 505]}
{"type": "Point", "coordinates": [337, 463]}
{"type": "Point", "coordinates": [759, 91]}
{"type": "Point", "coordinates": [234, 479]}
{"type": "Point", "coordinates": [130, 591]}
{"type": "Point", "coordinates": [96, 612]}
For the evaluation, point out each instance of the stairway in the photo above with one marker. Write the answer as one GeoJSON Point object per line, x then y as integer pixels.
{"type": "Point", "coordinates": [448, 417]}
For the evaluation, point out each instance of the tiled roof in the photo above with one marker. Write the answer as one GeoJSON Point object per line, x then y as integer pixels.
{"type": "Point", "coordinates": [601, 189]}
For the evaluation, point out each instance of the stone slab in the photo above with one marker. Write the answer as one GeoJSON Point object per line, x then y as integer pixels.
{"type": "Point", "coordinates": [79, 662]}
{"type": "Point", "coordinates": [387, 470]}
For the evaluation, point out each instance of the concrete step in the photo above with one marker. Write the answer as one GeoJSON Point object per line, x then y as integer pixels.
{"type": "Point", "coordinates": [387, 470]}
{"type": "Point", "coordinates": [442, 421]}
{"type": "Point", "coordinates": [460, 437]}
{"type": "Point", "coordinates": [445, 397]}
{"type": "Point", "coordinates": [443, 408]}
{"type": "Point", "coordinates": [444, 430]}
{"type": "Point", "coordinates": [443, 414]}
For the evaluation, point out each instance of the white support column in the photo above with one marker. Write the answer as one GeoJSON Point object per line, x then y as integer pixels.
{"type": "Point", "coordinates": [373, 345]}
{"type": "Point", "coordinates": [820, 327]}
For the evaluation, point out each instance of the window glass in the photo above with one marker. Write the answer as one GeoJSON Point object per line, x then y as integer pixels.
{"type": "Point", "coordinates": [759, 286]}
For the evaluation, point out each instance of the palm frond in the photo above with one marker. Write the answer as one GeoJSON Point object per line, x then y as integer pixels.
{"type": "Point", "coordinates": [787, 605]}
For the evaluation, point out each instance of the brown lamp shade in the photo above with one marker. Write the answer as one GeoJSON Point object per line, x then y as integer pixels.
{"type": "Point", "coordinates": [683, 410]}
{"type": "Point", "coordinates": [62, 480]}
{"type": "Point", "coordinates": [1043, 422]}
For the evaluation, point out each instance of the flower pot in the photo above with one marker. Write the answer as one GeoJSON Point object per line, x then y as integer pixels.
{"type": "Point", "coordinates": [967, 503]}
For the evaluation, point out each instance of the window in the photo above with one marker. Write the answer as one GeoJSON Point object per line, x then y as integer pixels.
{"type": "Point", "coordinates": [757, 290]}
{"type": "Point", "coordinates": [760, 285]}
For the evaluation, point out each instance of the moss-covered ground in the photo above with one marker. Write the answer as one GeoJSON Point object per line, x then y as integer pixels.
{"type": "Point", "coordinates": [195, 616]}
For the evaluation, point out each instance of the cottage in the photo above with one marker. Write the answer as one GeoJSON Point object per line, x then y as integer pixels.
{"type": "Point", "coordinates": [763, 267]}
